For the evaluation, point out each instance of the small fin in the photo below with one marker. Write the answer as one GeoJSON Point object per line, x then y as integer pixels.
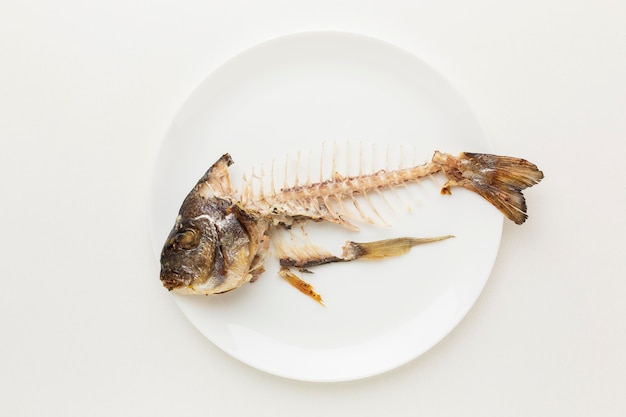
{"type": "Point", "coordinates": [301, 285]}
{"type": "Point", "coordinates": [352, 251]}
{"type": "Point", "coordinates": [387, 248]}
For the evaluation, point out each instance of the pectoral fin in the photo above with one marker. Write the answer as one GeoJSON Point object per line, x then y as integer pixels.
{"type": "Point", "coordinates": [301, 285]}
{"type": "Point", "coordinates": [352, 251]}
{"type": "Point", "coordinates": [387, 248]}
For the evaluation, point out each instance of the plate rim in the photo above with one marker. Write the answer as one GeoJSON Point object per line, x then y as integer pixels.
{"type": "Point", "coordinates": [293, 36]}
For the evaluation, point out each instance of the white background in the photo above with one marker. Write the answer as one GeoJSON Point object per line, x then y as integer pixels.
{"type": "Point", "coordinates": [87, 91]}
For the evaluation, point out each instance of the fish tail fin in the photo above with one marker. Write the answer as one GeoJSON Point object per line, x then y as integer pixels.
{"type": "Point", "coordinates": [498, 179]}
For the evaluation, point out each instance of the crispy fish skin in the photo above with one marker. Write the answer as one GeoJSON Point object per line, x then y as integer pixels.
{"type": "Point", "coordinates": [219, 241]}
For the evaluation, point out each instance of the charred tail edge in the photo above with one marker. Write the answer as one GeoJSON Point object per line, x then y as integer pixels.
{"type": "Point", "coordinates": [498, 179]}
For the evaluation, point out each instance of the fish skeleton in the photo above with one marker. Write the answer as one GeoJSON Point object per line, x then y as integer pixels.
{"type": "Point", "coordinates": [220, 240]}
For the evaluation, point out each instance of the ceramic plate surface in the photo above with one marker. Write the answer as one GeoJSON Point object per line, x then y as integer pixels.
{"type": "Point", "coordinates": [372, 105]}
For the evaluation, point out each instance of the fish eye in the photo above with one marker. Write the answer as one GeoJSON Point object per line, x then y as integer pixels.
{"type": "Point", "coordinates": [187, 239]}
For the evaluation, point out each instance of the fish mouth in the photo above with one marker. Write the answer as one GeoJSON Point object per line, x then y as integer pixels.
{"type": "Point", "coordinates": [174, 279]}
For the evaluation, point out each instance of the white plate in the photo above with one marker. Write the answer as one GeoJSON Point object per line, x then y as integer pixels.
{"type": "Point", "coordinates": [293, 93]}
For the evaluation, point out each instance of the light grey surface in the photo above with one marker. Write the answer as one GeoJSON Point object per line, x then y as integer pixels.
{"type": "Point", "coordinates": [88, 91]}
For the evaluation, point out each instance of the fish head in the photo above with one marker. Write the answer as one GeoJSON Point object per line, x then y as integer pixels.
{"type": "Point", "coordinates": [210, 253]}
{"type": "Point", "coordinates": [215, 242]}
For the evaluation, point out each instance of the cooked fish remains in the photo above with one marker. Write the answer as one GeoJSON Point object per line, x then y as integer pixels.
{"type": "Point", "coordinates": [220, 239]}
